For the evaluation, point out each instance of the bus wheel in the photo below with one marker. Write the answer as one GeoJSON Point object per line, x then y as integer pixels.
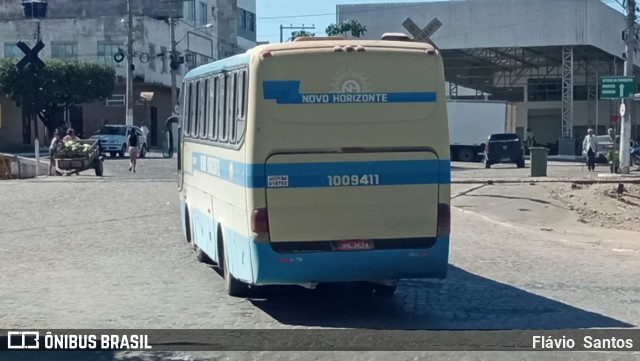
{"type": "Point", "coordinates": [384, 290]}
{"type": "Point", "coordinates": [233, 286]}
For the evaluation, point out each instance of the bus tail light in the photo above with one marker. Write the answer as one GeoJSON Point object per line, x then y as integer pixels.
{"type": "Point", "coordinates": [337, 48]}
{"type": "Point", "coordinates": [432, 52]}
{"type": "Point", "coordinates": [266, 54]}
{"type": "Point", "coordinates": [349, 48]}
{"type": "Point", "coordinates": [444, 220]}
{"type": "Point", "coordinates": [360, 48]}
{"type": "Point", "coordinates": [260, 221]}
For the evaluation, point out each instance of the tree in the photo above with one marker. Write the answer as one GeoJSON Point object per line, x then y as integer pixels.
{"type": "Point", "coordinates": [347, 26]}
{"type": "Point", "coordinates": [57, 87]}
{"type": "Point", "coordinates": [299, 33]}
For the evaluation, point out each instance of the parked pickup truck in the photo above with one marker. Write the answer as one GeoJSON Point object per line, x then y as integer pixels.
{"type": "Point", "coordinates": [504, 148]}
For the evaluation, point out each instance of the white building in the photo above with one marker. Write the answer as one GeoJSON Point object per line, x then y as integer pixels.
{"type": "Point", "coordinates": [545, 55]}
{"type": "Point", "coordinates": [95, 30]}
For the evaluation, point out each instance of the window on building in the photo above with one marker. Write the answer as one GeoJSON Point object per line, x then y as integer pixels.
{"type": "Point", "coordinates": [11, 50]}
{"type": "Point", "coordinates": [116, 100]}
{"type": "Point", "coordinates": [190, 59]}
{"type": "Point", "coordinates": [152, 56]}
{"type": "Point", "coordinates": [106, 51]}
{"type": "Point", "coordinates": [191, 10]}
{"type": "Point", "coordinates": [540, 90]}
{"type": "Point", "coordinates": [243, 19]}
{"type": "Point", "coordinates": [202, 13]}
{"type": "Point", "coordinates": [64, 50]}
{"type": "Point", "coordinates": [252, 22]}
{"type": "Point", "coordinates": [163, 59]}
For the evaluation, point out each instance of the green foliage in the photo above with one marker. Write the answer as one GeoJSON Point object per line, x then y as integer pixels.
{"type": "Point", "coordinates": [299, 33]}
{"type": "Point", "coordinates": [59, 85]}
{"type": "Point", "coordinates": [345, 27]}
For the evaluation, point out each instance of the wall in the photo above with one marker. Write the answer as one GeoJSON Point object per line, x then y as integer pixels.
{"type": "Point", "coordinates": [11, 9]}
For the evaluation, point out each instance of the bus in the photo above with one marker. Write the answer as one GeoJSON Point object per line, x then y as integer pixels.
{"type": "Point", "coordinates": [320, 160]}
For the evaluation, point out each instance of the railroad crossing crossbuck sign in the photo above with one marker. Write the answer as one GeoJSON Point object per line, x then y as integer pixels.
{"type": "Point", "coordinates": [423, 34]}
{"type": "Point", "coordinates": [30, 55]}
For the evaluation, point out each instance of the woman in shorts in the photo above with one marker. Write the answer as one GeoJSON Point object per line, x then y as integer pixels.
{"type": "Point", "coordinates": [133, 150]}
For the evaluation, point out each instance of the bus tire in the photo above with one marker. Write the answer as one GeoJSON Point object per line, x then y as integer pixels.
{"type": "Point", "coordinates": [187, 225]}
{"type": "Point", "coordinates": [384, 290]}
{"type": "Point", "coordinates": [234, 287]}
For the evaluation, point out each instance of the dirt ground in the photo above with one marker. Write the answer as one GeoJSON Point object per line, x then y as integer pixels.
{"type": "Point", "coordinates": [600, 205]}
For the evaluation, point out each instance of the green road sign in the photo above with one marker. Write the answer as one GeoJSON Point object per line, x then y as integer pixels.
{"type": "Point", "coordinates": [616, 87]}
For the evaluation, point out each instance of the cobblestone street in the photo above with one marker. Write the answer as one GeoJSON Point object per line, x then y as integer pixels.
{"type": "Point", "coordinates": [88, 252]}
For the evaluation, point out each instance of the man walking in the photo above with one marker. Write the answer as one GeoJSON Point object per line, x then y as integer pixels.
{"type": "Point", "coordinates": [590, 145]}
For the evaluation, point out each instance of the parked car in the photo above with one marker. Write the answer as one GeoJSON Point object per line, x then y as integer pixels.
{"type": "Point", "coordinates": [113, 139]}
{"type": "Point", "coordinates": [504, 148]}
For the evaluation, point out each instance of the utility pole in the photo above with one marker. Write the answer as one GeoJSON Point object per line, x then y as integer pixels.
{"type": "Point", "coordinates": [173, 60]}
{"type": "Point", "coordinates": [629, 48]}
{"type": "Point", "coordinates": [129, 100]}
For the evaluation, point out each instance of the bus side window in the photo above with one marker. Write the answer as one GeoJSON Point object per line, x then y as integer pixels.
{"type": "Point", "coordinates": [222, 108]}
{"type": "Point", "coordinates": [188, 110]}
{"type": "Point", "coordinates": [231, 106]}
{"type": "Point", "coordinates": [197, 111]}
{"type": "Point", "coordinates": [204, 104]}
{"type": "Point", "coordinates": [213, 90]}
{"type": "Point", "coordinates": [241, 95]}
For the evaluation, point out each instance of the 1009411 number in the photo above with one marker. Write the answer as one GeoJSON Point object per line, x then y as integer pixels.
{"type": "Point", "coordinates": [353, 180]}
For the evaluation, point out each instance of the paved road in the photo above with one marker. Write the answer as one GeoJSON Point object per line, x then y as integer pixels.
{"type": "Point", "coordinates": [88, 252]}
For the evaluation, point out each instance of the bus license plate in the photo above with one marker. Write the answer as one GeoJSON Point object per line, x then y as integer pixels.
{"type": "Point", "coordinates": [355, 244]}
{"type": "Point", "coordinates": [505, 159]}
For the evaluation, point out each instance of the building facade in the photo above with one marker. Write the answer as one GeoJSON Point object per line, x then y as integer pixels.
{"type": "Point", "coordinates": [546, 56]}
{"type": "Point", "coordinates": [96, 30]}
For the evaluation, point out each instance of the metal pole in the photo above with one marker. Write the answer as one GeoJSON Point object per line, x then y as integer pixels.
{"type": "Point", "coordinates": [281, 33]}
{"type": "Point", "coordinates": [129, 100]}
{"type": "Point", "coordinates": [625, 128]}
{"type": "Point", "coordinates": [174, 81]}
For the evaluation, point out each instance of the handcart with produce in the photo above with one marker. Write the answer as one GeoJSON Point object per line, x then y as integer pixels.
{"type": "Point", "coordinates": [79, 155]}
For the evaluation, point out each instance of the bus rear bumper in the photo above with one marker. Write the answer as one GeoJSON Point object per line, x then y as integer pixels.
{"type": "Point", "coordinates": [271, 267]}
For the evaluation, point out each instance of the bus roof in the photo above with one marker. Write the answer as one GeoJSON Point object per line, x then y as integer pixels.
{"type": "Point", "coordinates": [308, 44]}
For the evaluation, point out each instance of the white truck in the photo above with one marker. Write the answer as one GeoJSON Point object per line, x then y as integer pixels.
{"type": "Point", "coordinates": [472, 121]}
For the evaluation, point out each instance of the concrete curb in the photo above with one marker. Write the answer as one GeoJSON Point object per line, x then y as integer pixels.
{"type": "Point", "coordinates": [613, 179]}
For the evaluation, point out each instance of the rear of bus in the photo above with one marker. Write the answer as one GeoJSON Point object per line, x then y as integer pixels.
{"type": "Point", "coordinates": [350, 144]}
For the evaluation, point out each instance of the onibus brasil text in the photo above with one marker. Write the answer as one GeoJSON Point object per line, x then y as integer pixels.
{"type": "Point", "coordinates": [33, 340]}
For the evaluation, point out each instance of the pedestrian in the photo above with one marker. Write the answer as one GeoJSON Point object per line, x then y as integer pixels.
{"type": "Point", "coordinates": [612, 135]}
{"type": "Point", "coordinates": [531, 138]}
{"type": "Point", "coordinates": [133, 150]}
{"type": "Point", "coordinates": [71, 135]}
{"type": "Point", "coordinates": [590, 146]}
{"type": "Point", "coordinates": [56, 142]}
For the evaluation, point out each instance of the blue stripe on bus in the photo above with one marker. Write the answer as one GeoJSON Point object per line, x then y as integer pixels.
{"type": "Point", "coordinates": [294, 268]}
{"type": "Point", "coordinates": [316, 174]}
{"type": "Point", "coordinates": [288, 92]}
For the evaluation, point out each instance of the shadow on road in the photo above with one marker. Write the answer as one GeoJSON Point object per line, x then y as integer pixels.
{"type": "Point", "coordinates": [462, 301]}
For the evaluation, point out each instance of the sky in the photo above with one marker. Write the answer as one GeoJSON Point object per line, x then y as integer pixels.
{"type": "Point", "coordinates": [318, 13]}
